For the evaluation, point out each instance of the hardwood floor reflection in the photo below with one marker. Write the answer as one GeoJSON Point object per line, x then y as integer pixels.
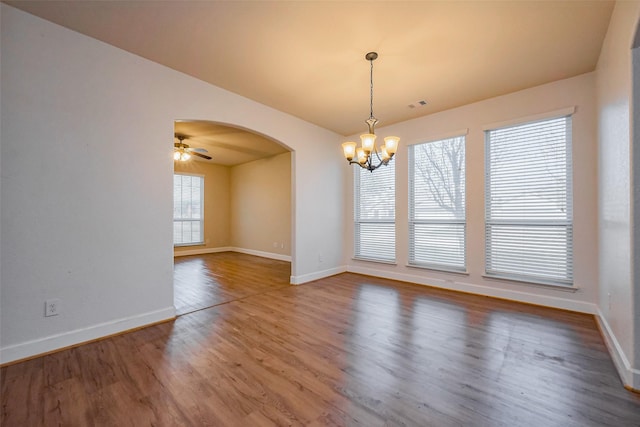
{"type": "Point", "coordinates": [343, 351]}
{"type": "Point", "coordinates": [207, 280]}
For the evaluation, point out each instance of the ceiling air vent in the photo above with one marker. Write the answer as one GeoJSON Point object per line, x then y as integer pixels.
{"type": "Point", "coordinates": [418, 104]}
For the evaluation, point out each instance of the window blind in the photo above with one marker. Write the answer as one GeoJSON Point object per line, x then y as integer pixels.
{"type": "Point", "coordinates": [528, 202]}
{"type": "Point", "coordinates": [437, 219]}
{"type": "Point", "coordinates": [375, 213]}
{"type": "Point", "coordinates": [187, 209]}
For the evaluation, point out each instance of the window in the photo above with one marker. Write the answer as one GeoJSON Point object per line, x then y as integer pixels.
{"type": "Point", "coordinates": [375, 213]}
{"type": "Point", "coordinates": [528, 202]}
{"type": "Point", "coordinates": [188, 227]}
{"type": "Point", "coordinates": [437, 204]}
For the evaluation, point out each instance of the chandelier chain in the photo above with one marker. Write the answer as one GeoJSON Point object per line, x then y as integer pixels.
{"type": "Point", "coordinates": [371, 89]}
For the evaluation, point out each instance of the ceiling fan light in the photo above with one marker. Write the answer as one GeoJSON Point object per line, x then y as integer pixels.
{"type": "Point", "coordinates": [185, 156]}
{"type": "Point", "coordinates": [176, 155]}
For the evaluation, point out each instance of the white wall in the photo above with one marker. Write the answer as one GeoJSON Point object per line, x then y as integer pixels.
{"type": "Point", "coordinates": [92, 226]}
{"type": "Point", "coordinates": [616, 294]}
{"type": "Point", "coordinates": [635, 214]}
{"type": "Point", "coordinates": [578, 91]}
{"type": "Point", "coordinates": [260, 220]}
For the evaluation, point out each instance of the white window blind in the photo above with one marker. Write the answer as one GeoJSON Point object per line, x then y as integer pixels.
{"type": "Point", "coordinates": [437, 219]}
{"type": "Point", "coordinates": [188, 201]}
{"type": "Point", "coordinates": [528, 202]}
{"type": "Point", "coordinates": [375, 213]}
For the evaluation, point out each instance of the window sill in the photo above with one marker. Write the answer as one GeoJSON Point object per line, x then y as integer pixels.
{"type": "Point", "coordinates": [378, 261]}
{"type": "Point", "coordinates": [534, 283]}
{"type": "Point", "coordinates": [440, 269]}
{"type": "Point", "coordinates": [182, 245]}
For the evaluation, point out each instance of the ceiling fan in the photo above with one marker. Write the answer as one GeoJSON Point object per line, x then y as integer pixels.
{"type": "Point", "coordinates": [183, 152]}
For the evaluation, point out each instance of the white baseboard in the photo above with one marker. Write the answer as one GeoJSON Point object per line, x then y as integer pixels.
{"type": "Point", "coordinates": [56, 342]}
{"type": "Point", "coordinates": [202, 251]}
{"type": "Point", "coordinates": [304, 278]}
{"type": "Point", "coordinates": [262, 254]}
{"type": "Point", "coordinates": [630, 377]}
{"type": "Point", "coordinates": [526, 297]}
{"type": "Point", "coordinates": [294, 280]}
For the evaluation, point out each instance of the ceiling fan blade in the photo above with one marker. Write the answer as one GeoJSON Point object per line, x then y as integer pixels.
{"type": "Point", "coordinates": [195, 153]}
{"type": "Point", "coordinates": [199, 150]}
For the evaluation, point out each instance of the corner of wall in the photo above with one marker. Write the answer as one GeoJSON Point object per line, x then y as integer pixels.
{"type": "Point", "coordinates": [317, 275]}
{"type": "Point", "coordinates": [629, 376]}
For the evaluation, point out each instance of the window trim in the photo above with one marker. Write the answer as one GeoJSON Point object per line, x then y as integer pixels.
{"type": "Point", "coordinates": [569, 223]}
{"type": "Point", "coordinates": [201, 220]}
{"type": "Point", "coordinates": [439, 137]}
{"type": "Point", "coordinates": [356, 187]}
{"type": "Point", "coordinates": [549, 115]}
{"type": "Point", "coordinates": [411, 222]}
{"type": "Point", "coordinates": [532, 282]}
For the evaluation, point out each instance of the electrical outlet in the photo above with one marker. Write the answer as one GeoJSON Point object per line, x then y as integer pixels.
{"type": "Point", "coordinates": [51, 307]}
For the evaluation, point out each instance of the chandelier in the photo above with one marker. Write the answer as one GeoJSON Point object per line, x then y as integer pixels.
{"type": "Point", "coordinates": [365, 153]}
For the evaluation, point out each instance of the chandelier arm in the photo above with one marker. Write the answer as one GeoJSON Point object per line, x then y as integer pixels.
{"type": "Point", "coordinates": [368, 165]}
{"type": "Point", "coordinates": [380, 161]}
{"type": "Point", "coordinates": [377, 155]}
{"type": "Point", "coordinates": [371, 167]}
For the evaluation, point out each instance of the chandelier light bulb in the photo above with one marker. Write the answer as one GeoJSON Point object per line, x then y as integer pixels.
{"type": "Point", "coordinates": [349, 149]}
{"type": "Point", "coordinates": [391, 144]}
{"type": "Point", "coordinates": [368, 142]}
{"type": "Point", "coordinates": [385, 154]}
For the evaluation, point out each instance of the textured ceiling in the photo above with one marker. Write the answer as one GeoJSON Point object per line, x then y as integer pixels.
{"type": "Point", "coordinates": [306, 58]}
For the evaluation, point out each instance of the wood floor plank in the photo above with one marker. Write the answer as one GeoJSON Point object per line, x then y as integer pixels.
{"type": "Point", "coordinates": [348, 350]}
{"type": "Point", "coordinates": [208, 280]}
{"type": "Point", "coordinates": [21, 393]}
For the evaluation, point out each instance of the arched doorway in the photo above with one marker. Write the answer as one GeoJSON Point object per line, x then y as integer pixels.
{"type": "Point", "coordinates": [233, 195]}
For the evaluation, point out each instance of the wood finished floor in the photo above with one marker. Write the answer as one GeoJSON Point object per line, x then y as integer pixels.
{"type": "Point", "coordinates": [208, 280]}
{"type": "Point", "coordinates": [348, 350]}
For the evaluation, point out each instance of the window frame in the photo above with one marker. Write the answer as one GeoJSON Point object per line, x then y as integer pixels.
{"type": "Point", "coordinates": [568, 223]}
{"type": "Point", "coordinates": [413, 221]}
{"type": "Point", "coordinates": [200, 220]}
{"type": "Point", "coordinates": [357, 243]}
